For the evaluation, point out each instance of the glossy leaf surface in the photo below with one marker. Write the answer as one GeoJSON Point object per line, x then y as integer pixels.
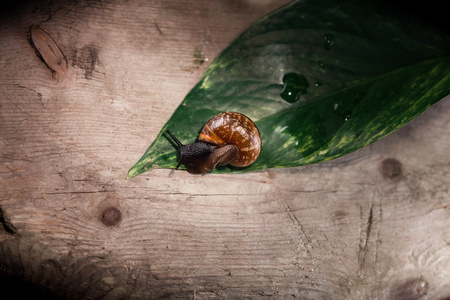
{"type": "Point", "coordinates": [319, 78]}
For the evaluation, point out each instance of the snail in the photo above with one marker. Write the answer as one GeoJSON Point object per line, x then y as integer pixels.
{"type": "Point", "coordinates": [227, 138]}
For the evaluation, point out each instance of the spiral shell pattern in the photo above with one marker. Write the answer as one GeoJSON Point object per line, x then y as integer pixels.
{"type": "Point", "coordinates": [235, 129]}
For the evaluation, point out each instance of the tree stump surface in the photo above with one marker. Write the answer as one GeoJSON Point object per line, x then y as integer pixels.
{"type": "Point", "coordinates": [374, 224]}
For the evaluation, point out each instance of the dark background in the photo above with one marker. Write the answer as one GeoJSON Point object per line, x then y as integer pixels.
{"type": "Point", "coordinates": [434, 12]}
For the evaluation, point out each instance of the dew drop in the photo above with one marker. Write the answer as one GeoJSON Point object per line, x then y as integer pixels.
{"type": "Point", "coordinates": [336, 106]}
{"type": "Point", "coordinates": [294, 86]}
{"type": "Point", "coordinates": [342, 110]}
{"type": "Point", "coordinates": [328, 41]}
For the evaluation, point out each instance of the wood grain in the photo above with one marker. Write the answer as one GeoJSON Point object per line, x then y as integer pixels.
{"type": "Point", "coordinates": [371, 225]}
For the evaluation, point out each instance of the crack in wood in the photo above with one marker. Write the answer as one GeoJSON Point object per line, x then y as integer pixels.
{"type": "Point", "coordinates": [81, 192]}
{"type": "Point", "coordinates": [312, 191]}
{"type": "Point", "coordinates": [157, 27]}
{"type": "Point", "coordinates": [295, 221]}
{"type": "Point", "coordinates": [368, 230]}
{"type": "Point", "coordinates": [39, 95]}
{"type": "Point", "coordinates": [364, 246]}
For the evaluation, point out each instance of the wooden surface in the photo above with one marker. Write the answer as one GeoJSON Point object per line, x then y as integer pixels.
{"type": "Point", "coordinates": [372, 225]}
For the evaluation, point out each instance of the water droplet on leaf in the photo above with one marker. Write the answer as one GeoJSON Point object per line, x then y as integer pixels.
{"type": "Point", "coordinates": [328, 41]}
{"type": "Point", "coordinates": [294, 86]}
{"type": "Point", "coordinates": [336, 106]}
{"type": "Point", "coordinates": [342, 110]}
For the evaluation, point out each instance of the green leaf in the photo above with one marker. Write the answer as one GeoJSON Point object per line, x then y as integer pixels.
{"type": "Point", "coordinates": [320, 78]}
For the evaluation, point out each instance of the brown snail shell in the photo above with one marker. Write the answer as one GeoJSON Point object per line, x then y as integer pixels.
{"type": "Point", "coordinates": [232, 128]}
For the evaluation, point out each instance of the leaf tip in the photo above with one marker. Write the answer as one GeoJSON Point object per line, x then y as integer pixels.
{"type": "Point", "coordinates": [131, 174]}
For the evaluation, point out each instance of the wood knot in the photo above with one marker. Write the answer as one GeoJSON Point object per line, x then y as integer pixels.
{"type": "Point", "coordinates": [412, 289]}
{"type": "Point", "coordinates": [391, 169]}
{"type": "Point", "coordinates": [48, 51]}
{"type": "Point", "coordinates": [111, 216]}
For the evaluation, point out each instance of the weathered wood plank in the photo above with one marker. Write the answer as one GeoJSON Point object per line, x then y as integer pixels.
{"type": "Point", "coordinates": [357, 227]}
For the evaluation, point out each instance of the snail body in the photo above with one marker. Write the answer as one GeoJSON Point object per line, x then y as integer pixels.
{"type": "Point", "coordinates": [227, 138]}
